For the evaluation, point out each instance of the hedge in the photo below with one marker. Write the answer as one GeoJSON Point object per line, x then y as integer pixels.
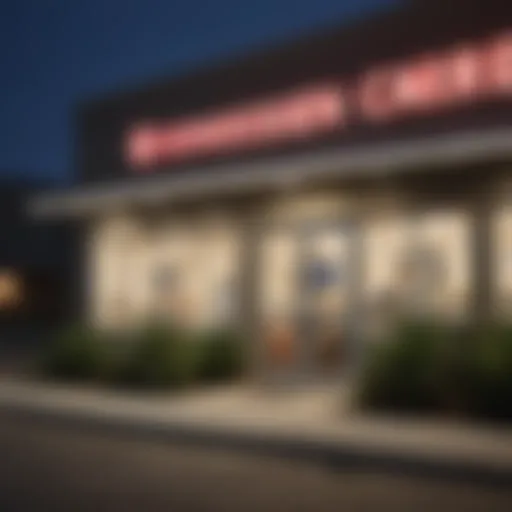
{"type": "Point", "coordinates": [155, 356]}
{"type": "Point", "coordinates": [430, 367]}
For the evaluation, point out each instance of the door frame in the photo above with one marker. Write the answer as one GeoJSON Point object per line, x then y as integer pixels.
{"type": "Point", "coordinates": [304, 366]}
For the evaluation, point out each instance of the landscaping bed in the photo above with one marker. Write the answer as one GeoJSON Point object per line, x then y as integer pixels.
{"type": "Point", "coordinates": [155, 356]}
{"type": "Point", "coordinates": [428, 367]}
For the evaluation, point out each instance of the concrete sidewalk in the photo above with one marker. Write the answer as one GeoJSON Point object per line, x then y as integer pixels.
{"type": "Point", "coordinates": [313, 424]}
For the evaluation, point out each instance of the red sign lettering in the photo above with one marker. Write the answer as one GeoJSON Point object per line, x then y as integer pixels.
{"type": "Point", "coordinates": [463, 74]}
{"type": "Point", "coordinates": [295, 116]}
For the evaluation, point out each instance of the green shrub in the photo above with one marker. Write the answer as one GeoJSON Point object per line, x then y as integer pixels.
{"type": "Point", "coordinates": [159, 357]}
{"type": "Point", "coordinates": [425, 366]}
{"type": "Point", "coordinates": [490, 376]}
{"type": "Point", "coordinates": [76, 353]}
{"type": "Point", "coordinates": [402, 373]}
{"type": "Point", "coordinates": [220, 356]}
{"type": "Point", "coordinates": [453, 347]}
{"type": "Point", "coordinates": [156, 356]}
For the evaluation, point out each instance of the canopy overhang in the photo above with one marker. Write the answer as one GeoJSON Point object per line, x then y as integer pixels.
{"type": "Point", "coordinates": [278, 172]}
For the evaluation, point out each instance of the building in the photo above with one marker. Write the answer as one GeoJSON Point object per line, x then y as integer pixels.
{"type": "Point", "coordinates": [310, 192]}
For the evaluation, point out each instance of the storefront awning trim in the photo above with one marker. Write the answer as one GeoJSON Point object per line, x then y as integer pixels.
{"type": "Point", "coordinates": [382, 159]}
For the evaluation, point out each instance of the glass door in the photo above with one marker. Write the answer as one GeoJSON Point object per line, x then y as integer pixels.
{"type": "Point", "coordinates": [326, 275]}
{"type": "Point", "coordinates": [306, 297]}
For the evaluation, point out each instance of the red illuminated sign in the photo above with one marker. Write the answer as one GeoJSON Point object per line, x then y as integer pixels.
{"type": "Point", "coordinates": [294, 116]}
{"type": "Point", "coordinates": [465, 73]}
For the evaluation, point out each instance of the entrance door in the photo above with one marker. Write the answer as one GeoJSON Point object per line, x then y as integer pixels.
{"type": "Point", "coordinates": [326, 275]}
{"type": "Point", "coordinates": [307, 276]}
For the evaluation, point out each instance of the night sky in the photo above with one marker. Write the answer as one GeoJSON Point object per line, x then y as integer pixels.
{"type": "Point", "coordinates": [57, 52]}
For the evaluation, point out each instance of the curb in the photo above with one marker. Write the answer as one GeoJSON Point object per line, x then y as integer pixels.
{"type": "Point", "coordinates": [332, 454]}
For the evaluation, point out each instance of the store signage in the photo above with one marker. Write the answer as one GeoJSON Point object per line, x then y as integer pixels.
{"type": "Point", "coordinates": [466, 73]}
{"type": "Point", "coordinates": [299, 114]}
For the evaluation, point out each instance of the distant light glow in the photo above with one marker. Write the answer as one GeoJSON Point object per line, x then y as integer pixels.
{"type": "Point", "coordinates": [10, 290]}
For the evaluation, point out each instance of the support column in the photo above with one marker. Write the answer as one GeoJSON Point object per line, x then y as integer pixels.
{"type": "Point", "coordinates": [481, 210]}
{"type": "Point", "coordinates": [251, 228]}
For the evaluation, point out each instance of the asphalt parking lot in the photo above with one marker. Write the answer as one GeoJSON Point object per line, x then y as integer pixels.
{"type": "Point", "coordinates": [49, 467]}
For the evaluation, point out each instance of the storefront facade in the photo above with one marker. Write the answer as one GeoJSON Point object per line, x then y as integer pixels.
{"type": "Point", "coordinates": [309, 194]}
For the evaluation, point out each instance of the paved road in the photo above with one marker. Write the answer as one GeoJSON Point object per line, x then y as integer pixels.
{"type": "Point", "coordinates": [44, 467]}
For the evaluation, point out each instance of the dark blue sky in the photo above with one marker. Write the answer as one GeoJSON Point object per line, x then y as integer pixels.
{"type": "Point", "coordinates": [56, 52]}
